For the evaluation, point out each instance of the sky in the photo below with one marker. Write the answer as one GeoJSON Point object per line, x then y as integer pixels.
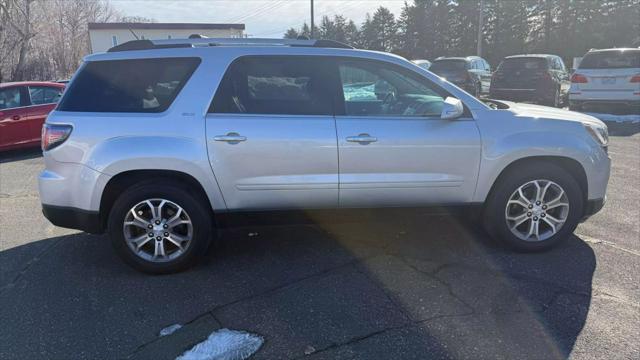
{"type": "Point", "coordinates": [263, 18]}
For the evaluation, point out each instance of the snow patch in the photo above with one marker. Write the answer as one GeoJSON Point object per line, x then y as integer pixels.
{"type": "Point", "coordinates": [224, 344]}
{"type": "Point", "coordinates": [170, 329]}
{"type": "Point", "coordinates": [634, 118]}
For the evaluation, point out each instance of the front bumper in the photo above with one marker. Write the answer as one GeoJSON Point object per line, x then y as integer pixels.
{"type": "Point", "coordinates": [73, 218]}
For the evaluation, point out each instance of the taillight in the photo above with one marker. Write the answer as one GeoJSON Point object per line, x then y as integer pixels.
{"type": "Point", "coordinates": [635, 79]}
{"type": "Point", "coordinates": [579, 79]}
{"type": "Point", "coordinates": [54, 135]}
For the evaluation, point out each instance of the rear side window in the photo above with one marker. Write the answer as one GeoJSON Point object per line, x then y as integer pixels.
{"type": "Point", "coordinates": [449, 65]}
{"type": "Point", "coordinates": [139, 85]}
{"type": "Point", "coordinates": [275, 85]}
{"type": "Point", "coordinates": [611, 60]}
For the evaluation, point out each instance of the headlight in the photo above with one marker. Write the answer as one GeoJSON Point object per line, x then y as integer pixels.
{"type": "Point", "coordinates": [599, 133]}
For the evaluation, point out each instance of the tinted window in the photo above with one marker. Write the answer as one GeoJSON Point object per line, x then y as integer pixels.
{"type": "Point", "coordinates": [515, 64]}
{"type": "Point", "coordinates": [10, 98]}
{"type": "Point", "coordinates": [275, 85]}
{"type": "Point", "coordinates": [611, 60]}
{"type": "Point", "coordinates": [448, 65]}
{"type": "Point", "coordinates": [141, 85]}
{"type": "Point", "coordinates": [44, 94]}
{"type": "Point", "coordinates": [378, 89]}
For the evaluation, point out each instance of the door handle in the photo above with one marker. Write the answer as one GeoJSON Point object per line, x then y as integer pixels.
{"type": "Point", "coordinates": [15, 117]}
{"type": "Point", "coordinates": [362, 138]}
{"type": "Point", "coordinates": [232, 138]}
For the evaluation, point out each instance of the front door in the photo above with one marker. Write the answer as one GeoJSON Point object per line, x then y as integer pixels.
{"type": "Point", "coordinates": [394, 150]}
{"type": "Point", "coordinates": [271, 134]}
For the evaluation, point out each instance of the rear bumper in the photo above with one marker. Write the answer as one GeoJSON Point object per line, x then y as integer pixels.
{"type": "Point", "coordinates": [73, 218]}
{"type": "Point", "coordinates": [605, 106]}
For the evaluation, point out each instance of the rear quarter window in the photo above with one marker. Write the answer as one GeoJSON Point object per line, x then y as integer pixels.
{"type": "Point", "coordinates": [138, 85]}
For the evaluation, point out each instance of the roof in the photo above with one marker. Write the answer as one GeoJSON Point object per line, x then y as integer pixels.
{"type": "Point", "coordinates": [614, 49]}
{"type": "Point", "coordinates": [545, 56]}
{"type": "Point", "coordinates": [163, 26]}
{"type": "Point", "coordinates": [31, 83]}
{"type": "Point", "coordinates": [463, 58]}
{"type": "Point", "coordinates": [216, 42]}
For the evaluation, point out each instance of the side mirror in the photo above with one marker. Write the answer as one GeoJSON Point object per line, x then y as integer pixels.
{"type": "Point", "coordinates": [451, 109]}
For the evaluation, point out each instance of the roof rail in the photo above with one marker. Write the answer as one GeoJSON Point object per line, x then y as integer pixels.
{"type": "Point", "coordinates": [204, 42]}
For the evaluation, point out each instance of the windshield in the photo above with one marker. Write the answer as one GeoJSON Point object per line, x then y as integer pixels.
{"type": "Point", "coordinates": [611, 60]}
{"type": "Point", "coordinates": [448, 65]}
{"type": "Point", "coordinates": [523, 63]}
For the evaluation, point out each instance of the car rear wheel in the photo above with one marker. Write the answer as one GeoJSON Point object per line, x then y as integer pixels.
{"type": "Point", "coordinates": [534, 207]}
{"type": "Point", "coordinates": [159, 227]}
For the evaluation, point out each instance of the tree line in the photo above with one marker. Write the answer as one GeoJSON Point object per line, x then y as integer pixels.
{"type": "Point", "coordinates": [47, 39]}
{"type": "Point", "coordinates": [427, 29]}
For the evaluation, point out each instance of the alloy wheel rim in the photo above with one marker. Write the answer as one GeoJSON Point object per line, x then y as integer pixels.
{"type": "Point", "coordinates": [157, 230]}
{"type": "Point", "coordinates": [537, 210]}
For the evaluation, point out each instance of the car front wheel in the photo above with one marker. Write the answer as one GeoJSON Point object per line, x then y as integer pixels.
{"type": "Point", "coordinates": [159, 228]}
{"type": "Point", "coordinates": [535, 207]}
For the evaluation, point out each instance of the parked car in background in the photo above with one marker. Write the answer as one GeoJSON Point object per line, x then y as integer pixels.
{"type": "Point", "coordinates": [471, 73]}
{"type": "Point", "coordinates": [425, 64]}
{"type": "Point", "coordinates": [607, 81]}
{"type": "Point", "coordinates": [536, 78]}
{"type": "Point", "coordinates": [23, 109]}
{"type": "Point", "coordinates": [156, 142]}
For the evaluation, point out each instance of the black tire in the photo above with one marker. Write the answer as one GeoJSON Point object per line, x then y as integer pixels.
{"type": "Point", "coordinates": [197, 210]}
{"type": "Point", "coordinates": [494, 217]}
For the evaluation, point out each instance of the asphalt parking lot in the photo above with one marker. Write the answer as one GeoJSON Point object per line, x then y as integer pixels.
{"type": "Point", "coordinates": [417, 286]}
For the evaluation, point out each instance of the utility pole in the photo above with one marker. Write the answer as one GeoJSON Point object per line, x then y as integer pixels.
{"type": "Point", "coordinates": [312, 24]}
{"type": "Point", "coordinates": [480, 25]}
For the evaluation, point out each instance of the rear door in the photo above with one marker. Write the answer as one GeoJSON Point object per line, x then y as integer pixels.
{"type": "Point", "coordinates": [271, 134]}
{"type": "Point", "coordinates": [43, 101]}
{"type": "Point", "coordinates": [14, 125]}
{"type": "Point", "coordinates": [394, 149]}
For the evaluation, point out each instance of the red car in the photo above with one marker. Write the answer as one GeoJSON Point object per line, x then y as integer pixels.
{"type": "Point", "coordinates": [23, 108]}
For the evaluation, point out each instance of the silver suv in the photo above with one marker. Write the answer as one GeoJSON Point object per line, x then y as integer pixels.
{"type": "Point", "coordinates": [154, 141]}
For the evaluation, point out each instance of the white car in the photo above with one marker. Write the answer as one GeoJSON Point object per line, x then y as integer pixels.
{"type": "Point", "coordinates": [158, 142]}
{"type": "Point", "coordinates": [425, 64]}
{"type": "Point", "coordinates": [607, 81]}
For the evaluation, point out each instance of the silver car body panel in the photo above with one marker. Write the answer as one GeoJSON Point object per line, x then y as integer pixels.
{"type": "Point", "coordinates": [290, 162]}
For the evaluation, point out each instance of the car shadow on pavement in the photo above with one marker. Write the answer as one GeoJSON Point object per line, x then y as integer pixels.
{"type": "Point", "coordinates": [17, 155]}
{"type": "Point", "coordinates": [396, 287]}
{"type": "Point", "coordinates": [622, 129]}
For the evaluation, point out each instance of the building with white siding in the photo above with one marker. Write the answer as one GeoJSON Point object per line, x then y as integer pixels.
{"type": "Point", "coordinates": [106, 35]}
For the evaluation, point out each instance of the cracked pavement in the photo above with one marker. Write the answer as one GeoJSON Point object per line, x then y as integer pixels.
{"type": "Point", "coordinates": [400, 286]}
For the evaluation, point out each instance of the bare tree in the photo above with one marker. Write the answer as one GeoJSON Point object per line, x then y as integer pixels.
{"type": "Point", "coordinates": [46, 39]}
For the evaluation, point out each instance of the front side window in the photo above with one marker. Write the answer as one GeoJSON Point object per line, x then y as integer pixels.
{"type": "Point", "coordinates": [44, 95]}
{"type": "Point", "coordinates": [378, 89]}
{"type": "Point", "coordinates": [10, 98]}
{"type": "Point", "coordinates": [140, 85]}
{"type": "Point", "coordinates": [274, 85]}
